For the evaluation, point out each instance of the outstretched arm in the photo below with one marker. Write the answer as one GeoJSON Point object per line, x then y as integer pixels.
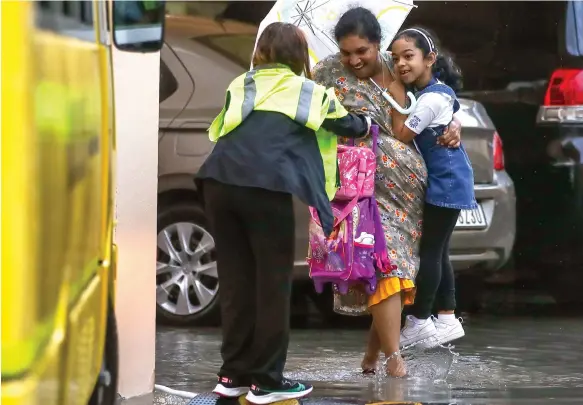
{"type": "Point", "coordinates": [350, 126]}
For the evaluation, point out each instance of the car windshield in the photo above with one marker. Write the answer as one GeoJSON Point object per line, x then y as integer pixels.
{"type": "Point", "coordinates": [574, 28]}
{"type": "Point", "coordinates": [236, 47]}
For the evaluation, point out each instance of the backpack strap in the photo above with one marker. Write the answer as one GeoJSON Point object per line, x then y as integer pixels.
{"type": "Point", "coordinates": [374, 131]}
{"type": "Point", "coordinates": [348, 208]}
{"type": "Point", "coordinates": [360, 181]}
{"type": "Point", "coordinates": [440, 88]}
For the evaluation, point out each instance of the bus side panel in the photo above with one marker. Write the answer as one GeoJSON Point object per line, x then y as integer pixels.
{"type": "Point", "coordinates": [32, 334]}
{"type": "Point", "coordinates": [19, 196]}
{"type": "Point", "coordinates": [108, 157]}
{"type": "Point", "coordinates": [85, 343]}
{"type": "Point", "coordinates": [89, 152]}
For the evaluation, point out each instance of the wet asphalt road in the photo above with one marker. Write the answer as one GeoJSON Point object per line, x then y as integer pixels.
{"type": "Point", "coordinates": [502, 360]}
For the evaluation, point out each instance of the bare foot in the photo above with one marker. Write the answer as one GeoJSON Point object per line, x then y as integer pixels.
{"type": "Point", "coordinates": [396, 367]}
{"type": "Point", "coordinates": [369, 363]}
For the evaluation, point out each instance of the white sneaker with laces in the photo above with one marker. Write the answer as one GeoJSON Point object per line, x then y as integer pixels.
{"type": "Point", "coordinates": [447, 331]}
{"type": "Point", "coordinates": [416, 330]}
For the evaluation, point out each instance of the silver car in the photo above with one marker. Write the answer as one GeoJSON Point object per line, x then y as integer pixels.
{"type": "Point", "coordinates": [199, 60]}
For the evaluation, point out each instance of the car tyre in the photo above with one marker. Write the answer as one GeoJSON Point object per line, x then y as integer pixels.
{"type": "Point", "coordinates": [169, 215]}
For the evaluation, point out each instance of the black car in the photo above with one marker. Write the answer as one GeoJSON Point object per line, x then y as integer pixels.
{"type": "Point", "coordinates": [524, 62]}
{"type": "Point", "coordinates": [559, 175]}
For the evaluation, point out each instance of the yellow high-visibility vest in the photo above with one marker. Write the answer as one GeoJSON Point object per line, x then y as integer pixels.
{"type": "Point", "coordinates": [276, 88]}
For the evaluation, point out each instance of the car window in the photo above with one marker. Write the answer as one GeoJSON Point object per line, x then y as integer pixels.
{"type": "Point", "coordinates": [168, 83]}
{"type": "Point", "coordinates": [574, 28]}
{"type": "Point", "coordinates": [236, 47]}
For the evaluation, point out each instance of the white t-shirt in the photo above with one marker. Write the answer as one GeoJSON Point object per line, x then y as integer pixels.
{"type": "Point", "coordinates": [432, 110]}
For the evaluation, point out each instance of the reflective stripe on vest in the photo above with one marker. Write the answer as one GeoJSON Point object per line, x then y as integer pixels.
{"type": "Point", "coordinates": [276, 88]}
{"type": "Point", "coordinates": [305, 102]}
{"type": "Point", "coordinates": [249, 94]}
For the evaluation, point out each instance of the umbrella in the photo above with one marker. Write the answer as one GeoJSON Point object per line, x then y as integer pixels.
{"type": "Point", "coordinates": [317, 19]}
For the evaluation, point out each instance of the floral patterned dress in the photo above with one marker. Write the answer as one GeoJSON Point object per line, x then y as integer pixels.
{"type": "Point", "coordinates": [401, 177]}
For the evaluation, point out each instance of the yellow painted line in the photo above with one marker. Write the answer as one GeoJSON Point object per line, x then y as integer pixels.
{"type": "Point", "coordinates": [402, 8]}
{"type": "Point", "coordinates": [278, 16]}
{"type": "Point", "coordinates": [243, 401]}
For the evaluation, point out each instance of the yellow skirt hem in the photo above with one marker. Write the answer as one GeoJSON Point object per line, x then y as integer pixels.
{"type": "Point", "coordinates": [388, 287]}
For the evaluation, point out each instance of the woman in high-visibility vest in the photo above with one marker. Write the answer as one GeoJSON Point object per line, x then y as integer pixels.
{"type": "Point", "coordinates": [272, 143]}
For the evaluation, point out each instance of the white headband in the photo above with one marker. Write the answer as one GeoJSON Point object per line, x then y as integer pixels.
{"type": "Point", "coordinates": [429, 41]}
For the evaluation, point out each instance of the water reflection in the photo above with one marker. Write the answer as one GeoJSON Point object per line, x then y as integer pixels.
{"type": "Point", "coordinates": [523, 360]}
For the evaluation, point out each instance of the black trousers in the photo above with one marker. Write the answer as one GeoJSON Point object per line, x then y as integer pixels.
{"type": "Point", "coordinates": [435, 281]}
{"type": "Point", "coordinates": [254, 232]}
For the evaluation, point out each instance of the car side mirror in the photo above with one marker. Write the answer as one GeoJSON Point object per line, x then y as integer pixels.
{"type": "Point", "coordinates": [138, 26]}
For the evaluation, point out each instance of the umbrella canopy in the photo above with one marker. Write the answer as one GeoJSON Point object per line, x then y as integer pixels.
{"type": "Point", "coordinates": [317, 19]}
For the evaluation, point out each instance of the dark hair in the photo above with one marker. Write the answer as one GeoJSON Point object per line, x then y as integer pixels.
{"type": "Point", "coordinates": [444, 67]}
{"type": "Point", "coordinates": [358, 21]}
{"type": "Point", "coordinates": [283, 43]}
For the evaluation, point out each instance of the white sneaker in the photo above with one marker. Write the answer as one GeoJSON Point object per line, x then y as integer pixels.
{"type": "Point", "coordinates": [228, 388]}
{"type": "Point", "coordinates": [416, 330]}
{"type": "Point", "coordinates": [447, 331]}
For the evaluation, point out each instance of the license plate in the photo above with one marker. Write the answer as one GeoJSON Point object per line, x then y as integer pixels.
{"type": "Point", "coordinates": [472, 219]}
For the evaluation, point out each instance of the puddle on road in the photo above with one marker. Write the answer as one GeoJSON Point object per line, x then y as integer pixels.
{"type": "Point", "coordinates": [339, 375]}
{"type": "Point", "coordinates": [500, 361]}
{"type": "Point", "coordinates": [433, 365]}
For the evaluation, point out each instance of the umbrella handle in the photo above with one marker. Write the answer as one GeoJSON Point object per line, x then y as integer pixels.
{"type": "Point", "coordinates": [396, 105]}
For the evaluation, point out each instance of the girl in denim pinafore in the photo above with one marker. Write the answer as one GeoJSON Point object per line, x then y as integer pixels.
{"type": "Point", "coordinates": [435, 79]}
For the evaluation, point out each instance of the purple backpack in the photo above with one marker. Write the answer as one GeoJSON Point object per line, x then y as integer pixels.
{"type": "Point", "coordinates": [357, 244]}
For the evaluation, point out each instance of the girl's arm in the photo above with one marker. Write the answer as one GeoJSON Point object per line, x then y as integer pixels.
{"type": "Point", "coordinates": [427, 108]}
{"type": "Point", "coordinates": [403, 133]}
{"type": "Point", "coordinates": [397, 91]}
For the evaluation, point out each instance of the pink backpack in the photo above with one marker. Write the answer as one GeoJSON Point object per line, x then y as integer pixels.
{"type": "Point", "coordinates": [357, 244]}
{"type": "Point", "coordinates": [356, 167]}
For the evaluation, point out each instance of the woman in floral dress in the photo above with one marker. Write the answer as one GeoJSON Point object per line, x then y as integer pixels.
{"type": "Point", "coordinates": [401, 176]}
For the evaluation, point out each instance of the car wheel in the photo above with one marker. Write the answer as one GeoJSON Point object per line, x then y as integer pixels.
{"type": "Point", "coordinates": [187, 284]}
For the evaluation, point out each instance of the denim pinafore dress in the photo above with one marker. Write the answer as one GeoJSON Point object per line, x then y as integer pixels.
{"type": "Point", "coordinates": [450, 174]}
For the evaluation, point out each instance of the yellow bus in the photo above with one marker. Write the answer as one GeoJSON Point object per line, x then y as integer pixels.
{"type": "Point", "coordinates": [59, 340]}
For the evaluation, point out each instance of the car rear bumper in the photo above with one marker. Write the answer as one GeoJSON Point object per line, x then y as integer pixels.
{"type": "Point", "coordinates": [488, 248]}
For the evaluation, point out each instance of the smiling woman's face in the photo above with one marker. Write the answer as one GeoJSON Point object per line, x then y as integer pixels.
{"type": "Point", "coordinates": [360, 55]}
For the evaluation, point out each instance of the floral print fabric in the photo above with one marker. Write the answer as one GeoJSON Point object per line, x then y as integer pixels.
{"type": "Point", "coordinates": [401, 175]}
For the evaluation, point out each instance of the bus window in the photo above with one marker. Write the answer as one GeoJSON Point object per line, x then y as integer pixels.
{"type": "Point", "coordinates": [138, 25]}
